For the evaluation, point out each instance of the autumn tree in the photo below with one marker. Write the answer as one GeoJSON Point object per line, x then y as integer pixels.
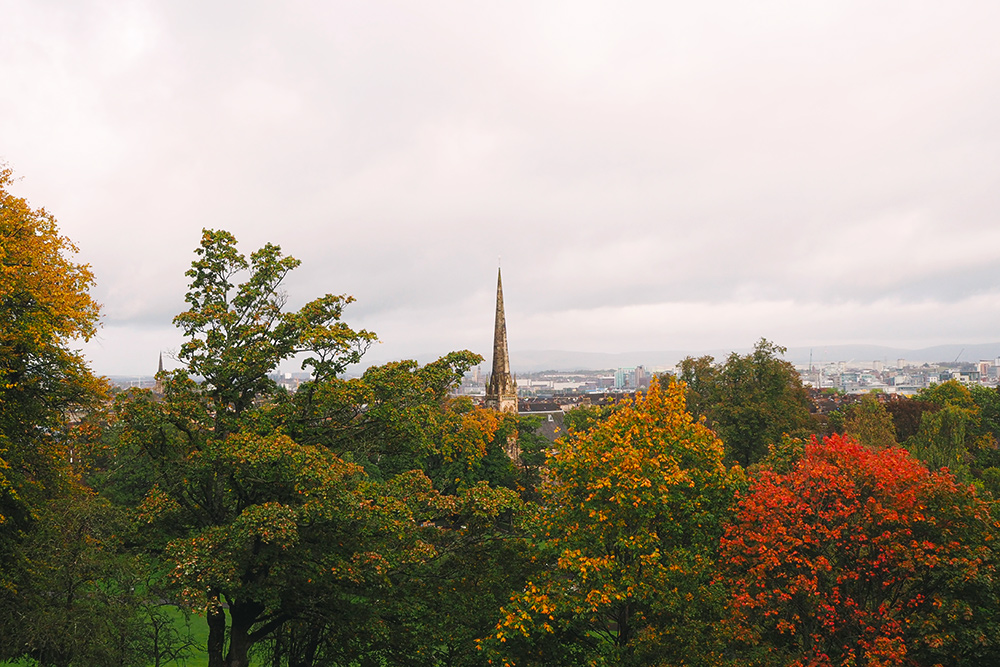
{"type": "Point", "coordinates": [858, 556]}
{"type": "Point", "coordinates": [630, 517]}
{"type": "Point", "coordinates": [44, 307]}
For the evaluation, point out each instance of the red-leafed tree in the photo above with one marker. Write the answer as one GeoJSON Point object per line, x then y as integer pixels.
{"type": "Point", "coordinates": [862, 557]}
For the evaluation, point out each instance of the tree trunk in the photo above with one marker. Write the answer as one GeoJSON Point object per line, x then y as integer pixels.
{"type": "Point", "coordinates": [243, 615]}
{"type": "Point", "coordinates": [216, 632]}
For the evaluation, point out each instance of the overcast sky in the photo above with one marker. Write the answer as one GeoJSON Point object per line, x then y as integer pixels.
{"type": "Point", "coordinates": [659, 175]}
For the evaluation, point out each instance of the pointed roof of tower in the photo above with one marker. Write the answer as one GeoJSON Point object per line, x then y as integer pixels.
{"type": "Point", "coordinates": [160, 368]}
{"type": "Point", "coordinates": [501, 362]}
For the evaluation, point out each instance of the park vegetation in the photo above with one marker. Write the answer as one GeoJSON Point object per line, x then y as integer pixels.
{"type": "Point", "coordinates": [377, 520]}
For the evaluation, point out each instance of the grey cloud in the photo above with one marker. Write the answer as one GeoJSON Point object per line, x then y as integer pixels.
{"type": "Point", "coordinates": [648, 155]}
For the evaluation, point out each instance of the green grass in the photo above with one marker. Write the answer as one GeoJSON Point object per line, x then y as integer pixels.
{"type": "Point", "coordinates": [199, 633]}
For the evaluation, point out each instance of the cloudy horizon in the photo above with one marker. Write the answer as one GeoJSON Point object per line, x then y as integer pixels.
{"type": "Point", "coordinates": [652, 175]}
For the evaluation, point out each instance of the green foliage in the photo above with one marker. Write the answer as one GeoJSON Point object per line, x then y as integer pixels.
{"type": "Point", "coordinates": [534, 451]}
{"type": "Point", "coordinates": [304, 525]}
{"type": "Point", "coordinates": [701, 378]}
{"type": "Point", "coordinates": [239, 333]}
{"type": "Point", "coordinates": [782, 456]}
{"type": "Point", "coordinates": [947, 436]}
{"type": "Point", "coordinates": [82, 600]}
{"type": "Point", "coordinates": [400, 417]}
{"type": "Point", "coordinates": [750, 401]}
{"type": "Point", "coordinates": [586, 417]}
{"type": "Point", "coordinates": [868, 422]}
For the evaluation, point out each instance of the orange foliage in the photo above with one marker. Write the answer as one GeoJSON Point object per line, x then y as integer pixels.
{"type": "Point", "coordinates": [860, 557]}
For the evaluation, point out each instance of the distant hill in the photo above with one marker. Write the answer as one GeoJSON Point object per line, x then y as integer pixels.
{"type": "Point", "coordinates": [533, 361]}
{"type": "Point", "coordinates": [965, 353]}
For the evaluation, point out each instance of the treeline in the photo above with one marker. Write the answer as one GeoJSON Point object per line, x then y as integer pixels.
{"type": "Point", "coordinates": [379, 520]}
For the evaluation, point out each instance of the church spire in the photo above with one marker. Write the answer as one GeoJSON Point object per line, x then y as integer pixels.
{"type": "Point", "coordinates": [158, 386]}
{"type": "Point", "coordinates": [501, 362]}
{"type": "Point", "coordinates": [502, 391]}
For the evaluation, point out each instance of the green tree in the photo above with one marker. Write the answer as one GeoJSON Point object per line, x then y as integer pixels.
{"type": "Point", "coordinates": [401, 416]}
{"type": "Point", "coordinates": [868, 422]}
{"type": "Point", "coordinates": [586, 417]}
{"type": "Point", "coordinates": [987, 446]}
{"type": "Point", "coordinates": [949, 433]}
{"type": "Point", "coordinates": [83, 600]}
{"type": "Point", "coordinates": [239, 333]}
{"type": "Point", "coordinates": [700, 376]}
{"type": "Point", "coordinates": [751, 401]}
{"type": "Point", "coordinates": [294, 520]}
{"type": "Point", "coordinates": [231, 498]}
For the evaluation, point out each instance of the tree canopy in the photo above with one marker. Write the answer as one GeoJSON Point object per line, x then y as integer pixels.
{"type": "Point", "coordinates": [379, 519]}
{"type": "Point", "coordinates": [44, 306]}
{"type": "Point", "coordinates": [629, 521]}
{"type": "Point", "coordinates": [859, 556]}
{"type": "Point", "coordinates": [750, 401]}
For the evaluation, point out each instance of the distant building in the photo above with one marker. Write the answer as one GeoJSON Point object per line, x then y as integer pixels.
{"type": "Point", "coordinates": [625, 379]}
{"type": "Point", "coordinates": [158, 386]}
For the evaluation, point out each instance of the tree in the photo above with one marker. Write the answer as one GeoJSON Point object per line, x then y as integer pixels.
{"type": "Point", "coordinates": [238, 334]}
{"type": "Point", "coordinates": [629, 521]}
{"type": "Point", "coordinates": [400, 416]}
{"type": "Point", "coordinates": [906, 414]}
{"type": "Point", "coordinates": [750, 401]}
{"type": "Point", "coordinates": [44, 306]}
{"type": "Point", "coordinates": [950, 433]}
{"type": "Point", "coordinates": [262, 504]}
{"type": "Point", "coordinates": [82, 598]}
{"type": "Point", "coordinates": [868, 422]}
{"type": "Point", "coordinates": [700, 376]}
{"type": "Point", "coordinates": [863, 557]}
{"type": "Point", "coordinates": [231, 497]}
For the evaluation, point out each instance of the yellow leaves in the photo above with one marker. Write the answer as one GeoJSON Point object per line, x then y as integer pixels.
{"type": "Point", "coordinates": [45, 293]}
{"type": "Point", "coordinates": [156, 505]}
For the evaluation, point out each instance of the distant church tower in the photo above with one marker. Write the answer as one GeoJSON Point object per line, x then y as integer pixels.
{"type": "Point", "coordinates": [502, 392]}
{"type": "Point", "coordinates": [158, 387]}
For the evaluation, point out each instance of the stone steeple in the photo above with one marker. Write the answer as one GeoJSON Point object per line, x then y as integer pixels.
{"type": "Point", "coordinates": [158, 387]}
{"type": "Point", "coordinates": [502, 391]}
